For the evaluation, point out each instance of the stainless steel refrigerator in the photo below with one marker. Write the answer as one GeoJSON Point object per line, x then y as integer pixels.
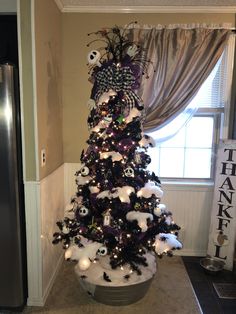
{"type": "Point", "coordinates": [13, 289]}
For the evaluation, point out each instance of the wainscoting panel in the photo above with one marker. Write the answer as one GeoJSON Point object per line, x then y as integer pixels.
{"type": "Point", "coordinates": [52, 210]}
{"type": "Point", "coordinates": [191, 208]}
{"type": "Point", "coordinates": [69, 180]}
{"type": "Point", "coordinates": [190, 205]}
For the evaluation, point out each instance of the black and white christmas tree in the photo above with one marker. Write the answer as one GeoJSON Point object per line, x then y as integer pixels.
{"type": "Point", "coordinates": [117, 224]}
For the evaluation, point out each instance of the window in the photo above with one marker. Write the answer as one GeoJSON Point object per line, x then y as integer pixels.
{"type": "Point", "coordinates": [191, 152]}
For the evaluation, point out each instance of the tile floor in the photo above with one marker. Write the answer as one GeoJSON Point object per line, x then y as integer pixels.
{"type": "Point", "coordinates": [202, 283]}
{"type": "Point", "coordinates": [170, 292]}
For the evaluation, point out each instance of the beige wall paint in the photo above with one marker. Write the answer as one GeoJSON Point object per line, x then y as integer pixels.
{"type": "Point", "coordinates": [48, 38]}
{"type": "Point", "coordinates": [26, 79]}
{"type": "Point", "coordinates": [75, 86]}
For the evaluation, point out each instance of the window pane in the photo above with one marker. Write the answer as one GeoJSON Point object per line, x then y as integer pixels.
{"type": "Point", "coordinates": [171, 162]}
{"type": "Point", "coordinates": [176, 141]}
{"type": "Point", "coordinates": [200, 132]}
{"type": "Point", "coordinates": [212, 92]}
{"type": "Point", "coordinates": [154, 165]}
{"type": "Point", "coordinates": [197, 163]}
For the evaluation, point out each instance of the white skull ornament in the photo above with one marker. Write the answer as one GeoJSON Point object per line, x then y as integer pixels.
{"type": "Point", "coordinates": [102, 251]}
{"type": "Point", "coordinates": [83, 211]}
{"type": "Point", "coordinates": [84, 171]}
{"type": "Point", "coordinates": [129, 172]}
{"type": "Point", "coordinates": [93, 57]}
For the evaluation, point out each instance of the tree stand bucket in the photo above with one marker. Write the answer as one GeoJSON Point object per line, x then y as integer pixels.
{"type": "Point", "coordinates": [116, 296]}
{"type": "Point", "coordinates": [116, 286]}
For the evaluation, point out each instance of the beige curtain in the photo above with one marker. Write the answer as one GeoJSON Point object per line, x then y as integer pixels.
{"type": "Point", "coordinates": [183, 59]}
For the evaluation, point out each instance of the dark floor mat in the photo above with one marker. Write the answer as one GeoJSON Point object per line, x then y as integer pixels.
{"type": "Point", "coordinates": [225, 290]}
{"type": "Point", "coordinates": [202, 284]}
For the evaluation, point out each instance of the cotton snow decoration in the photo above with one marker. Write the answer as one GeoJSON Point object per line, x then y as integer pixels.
{"type": "Point", "coordinates": [103, 124]}
{"type": "Point", "coordinates": [134, 112]}
{"type": "Point", "coordinates": [94, 189]}
{"type": "Point", "coordinates": [104, 98]}
{"type": "Point", "coordinates": [91, 104]}
{"type": "Point", "coordinates": [140, 217]}
{"type": "Point", "coordinates": [83, 180]}
{"type": "Point", "coordinates": [149, 189]}
{"type": "Point", "coordinates": [115, 156]}
{"type": "Point", "coordinates": [84, 254]}
{"type": "Point", "coordinates": [168, 220]}
{"type": "Point", "coordinates": [104, 194]}
{"type": "Point", "coordinates": [165, 242]}
{"type": "Point", "coordinates": [69, 207]}
{"type": "Point", "coordinates": [147, 141]}
{"type": "Point", "coordinates": [159, 209]}
{"type": "Point", "coordinates": [121, 192]}
{"type": "Point", "coordinates": [74, 203]}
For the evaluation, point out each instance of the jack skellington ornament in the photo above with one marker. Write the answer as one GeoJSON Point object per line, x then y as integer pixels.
{"type": "Point", "coordinates": [102, 251]}
{"type": "Point", "coordinates": [83, 211]}
{"type": "Point", "coordinates": [129, 172]}
{"type": "Point", "coordinates": [93, 58]}
{"type": "Point", "coordinates": [84, 171]}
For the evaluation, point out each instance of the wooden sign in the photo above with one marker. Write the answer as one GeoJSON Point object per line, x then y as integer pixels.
{"type": "Point", "coordinates": [223, 219]}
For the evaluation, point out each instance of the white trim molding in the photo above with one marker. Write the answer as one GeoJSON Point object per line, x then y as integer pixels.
{"type": "Point", "coordinates": [60, 5]}
{"type": "Point", "coordinates": [33, 239]}
{"type": "Point", "coordinates": [143, 9]}
{"type": "Point", "coordinates": [34, 88]}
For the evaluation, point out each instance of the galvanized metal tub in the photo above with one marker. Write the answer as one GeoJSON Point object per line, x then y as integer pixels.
{"type": "Point", "coordinates": [117, 296]}
{"type": "Point", "coordinates": [115, 288]}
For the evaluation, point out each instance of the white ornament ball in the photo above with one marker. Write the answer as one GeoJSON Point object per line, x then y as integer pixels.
{"type": "Point", "coordinates": [84, 171]}
{"type": "Point", "coordinates": [93, 57]}
{"type": "Point", "coordinates": [84, 263]}
{"type": "Point", "coordinates": [83, 211]}
{"type": "Point", "coordinates": [65, 230]}
{"type": "Point", "coordinates": [160, 209]}
{"type": "Point", "coordinates": [129, 172]}
{"type": "Point", "coordinates": [102, 251]}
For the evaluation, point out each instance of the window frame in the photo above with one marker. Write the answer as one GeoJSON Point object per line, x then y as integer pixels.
{"type": "Point", "coordinates": [221, 117]}
{"type": "Point", "coordinates": [216, 114]}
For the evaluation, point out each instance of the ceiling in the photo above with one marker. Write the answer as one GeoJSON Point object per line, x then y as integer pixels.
{"type": "Point", "coordinates": [204, 6]}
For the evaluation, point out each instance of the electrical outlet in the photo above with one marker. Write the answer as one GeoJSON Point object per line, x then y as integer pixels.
{"type": "Point", "coordinates": [43, 157]}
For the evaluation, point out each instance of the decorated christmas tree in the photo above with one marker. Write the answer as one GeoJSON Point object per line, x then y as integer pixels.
{"type": "Point", "coordinates": [116, 223]}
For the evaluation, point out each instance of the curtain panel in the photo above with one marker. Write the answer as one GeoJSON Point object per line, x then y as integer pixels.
{"type": "Point", "coordinates": [182, 58]}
